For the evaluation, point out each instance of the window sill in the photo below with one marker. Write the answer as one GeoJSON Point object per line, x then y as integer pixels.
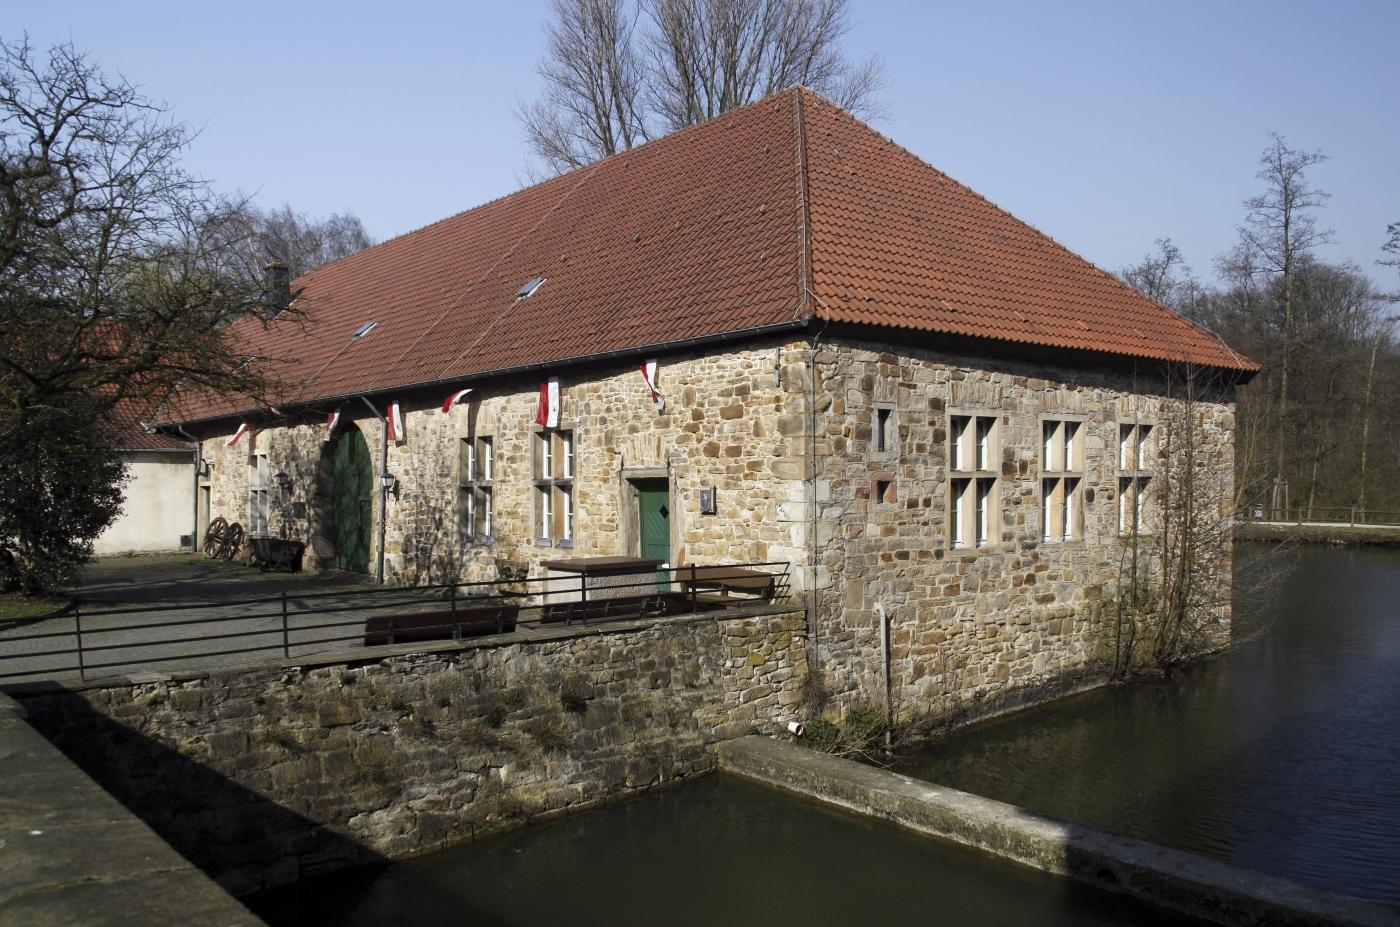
{"type": "Point", "coordinates": [567, 544]}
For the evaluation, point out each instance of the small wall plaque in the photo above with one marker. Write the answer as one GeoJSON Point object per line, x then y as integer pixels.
{"type": "Point", "coordinates": [707, 500]}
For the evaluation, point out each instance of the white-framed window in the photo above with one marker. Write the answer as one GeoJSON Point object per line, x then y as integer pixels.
{"type": "Point", "coordinates": [1134, 477]}
{"type": "Point", "coordinates": [974, 511]}
{"type": "Point", "coordinates": [476, 492]}
{"type": "Point", "coordinates": [1061, 479]}
{"type": "Point", "coordinates": [554, 486]}
{"type": "Point", "coordinates": [259, 493]}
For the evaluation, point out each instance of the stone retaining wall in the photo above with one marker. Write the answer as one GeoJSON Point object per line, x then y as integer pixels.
{"type": "Point", "coordinates": [268, 774]}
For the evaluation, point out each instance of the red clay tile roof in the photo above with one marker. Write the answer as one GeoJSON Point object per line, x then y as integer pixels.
{"type": "Point", "coordinates": [128, 420]}
{"type": "Point", "coordinates": [698, 234]}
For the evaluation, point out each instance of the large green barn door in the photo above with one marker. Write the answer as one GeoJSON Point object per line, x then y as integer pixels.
{"type": "Point", "coordinates": [654, 519]}
{"type": "Point", "coordinates": [352, 486]}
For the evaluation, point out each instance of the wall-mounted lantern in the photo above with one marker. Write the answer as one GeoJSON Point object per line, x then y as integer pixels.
{"type": "Point", "coordinates": [389, 483]}
{"type": "Point", "coordinates": [284, 482]}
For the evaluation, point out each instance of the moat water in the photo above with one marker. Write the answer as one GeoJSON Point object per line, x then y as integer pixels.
{"type": "Point", "coordinates": [1283, 756]}
{"type": "Point", "coordinates": [713, 852]}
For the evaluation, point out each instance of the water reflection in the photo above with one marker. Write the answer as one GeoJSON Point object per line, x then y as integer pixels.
{"type": "Point", "coordinates": [1283, 756]}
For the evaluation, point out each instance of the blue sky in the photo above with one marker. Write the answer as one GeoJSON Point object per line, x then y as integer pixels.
{"type": "Point", "coordinates": [1105, 124]}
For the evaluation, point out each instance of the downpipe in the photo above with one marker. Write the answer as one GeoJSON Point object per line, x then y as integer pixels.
{"type": "Point", "coordinates": [198, 462]}
{"type": "Point", "coordinates": [884, 620]}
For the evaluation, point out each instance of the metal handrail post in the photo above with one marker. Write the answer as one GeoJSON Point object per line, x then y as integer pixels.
{"type": "Point", "coordinates": [286, 639]}
{"type": "Point", "coordinates": [78, 630]}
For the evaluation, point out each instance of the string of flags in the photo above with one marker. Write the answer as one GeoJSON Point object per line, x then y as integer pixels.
{"type": "Point", "coordinates": [546, 412]}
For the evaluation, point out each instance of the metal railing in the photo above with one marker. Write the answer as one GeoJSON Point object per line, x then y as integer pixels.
{"type": "Point", "coordinates": [1321, 515]}
{"type": "Point", "coordinates": [88, 641]}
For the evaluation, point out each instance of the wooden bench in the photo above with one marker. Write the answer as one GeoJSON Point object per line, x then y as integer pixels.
{"type": "Point", "coordinates": [443, 624]}
{"type": "Point", "coordinates": [612, 609]}
{"type": "Point", "coordinates": [719, 582]}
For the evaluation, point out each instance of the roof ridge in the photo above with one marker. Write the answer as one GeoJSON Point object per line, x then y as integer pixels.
{"type": "Point", "coordinates": [1044, 236]}
{"type": "Point", "coordinates": [804, 208]}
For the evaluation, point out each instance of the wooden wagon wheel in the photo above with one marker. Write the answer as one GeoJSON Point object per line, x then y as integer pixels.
{"type": "Point", "coordinates": [214, 537]}
{"type": "Point", "coordinates": [232, 542]}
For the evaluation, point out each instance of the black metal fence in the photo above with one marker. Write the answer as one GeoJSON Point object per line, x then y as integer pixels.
{"type": "Point", "coordinates": [102, 641]}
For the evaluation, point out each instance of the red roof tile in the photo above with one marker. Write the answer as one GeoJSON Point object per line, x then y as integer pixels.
{"type": "Point", "coordinates": [128, 420]}
{"type": "Point", "coordinates": [700, 234]}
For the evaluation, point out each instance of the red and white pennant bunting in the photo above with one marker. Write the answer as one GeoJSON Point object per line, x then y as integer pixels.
{"type": "Point", "coordinates": [394, 420]}
{"type": "Point", "coordinates": [548, 412]}
{"type": "Point", "coordinates": [455, 398]}
{"type": "Point", "coordinates": [332, 420]}
{"type": "Point", "coordinates": [242, 430]}
{"type": "Point", "coordinates": [649, 374]}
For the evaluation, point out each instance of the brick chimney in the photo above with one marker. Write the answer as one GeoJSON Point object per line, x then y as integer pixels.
{"type": "Point", "coordinates": [277, 287]}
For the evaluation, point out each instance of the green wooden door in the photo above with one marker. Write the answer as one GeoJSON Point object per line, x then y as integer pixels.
{"type": "Point", "coordinates": [352, 486]}
{"type": "Point", "coordinates": [654, 519]}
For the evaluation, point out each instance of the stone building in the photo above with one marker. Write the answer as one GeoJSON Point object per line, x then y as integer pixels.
{"type": "Point", "coordinates": [945, 422]}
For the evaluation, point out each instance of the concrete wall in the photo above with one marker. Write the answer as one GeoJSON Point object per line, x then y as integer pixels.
{"type": "Point", "coordinates": [157, 507]}
{"type": "Point", "coordinates": [73, 856]}
{"type": "Point", "coordinates": [270, 774]}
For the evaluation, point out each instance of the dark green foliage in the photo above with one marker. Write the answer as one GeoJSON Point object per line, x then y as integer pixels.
{"type": "Point", "coordinates": [60, 486]}
{"type": "Point", "coordinates": [822, 735]}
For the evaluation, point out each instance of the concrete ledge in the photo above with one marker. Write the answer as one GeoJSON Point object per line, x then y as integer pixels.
{"type": "Point", "coordinates": [72, 855]}
{"type": "Point", "coordinates": [1182, 882]}
{"type": "Point", "coordinates": [1337, 535]}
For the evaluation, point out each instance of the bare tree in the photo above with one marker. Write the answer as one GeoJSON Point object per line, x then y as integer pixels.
{"type": "Point", "coordinates": [592, 85]}
{"type": "Point", "coordinates": [1165, 276]}
{"type": "Point", "coordinates": [1391, 246]}
{"type": "Point", "coordinates": [1278, 233]}
{"type": "Point", "coordinates": [709, 56]}
{"type": "Point", "coordinates": [295, 239]}
{"type": "Point", "coordinates": [618, 72]}
{"type": "Point", "coordinates": [113, 282]}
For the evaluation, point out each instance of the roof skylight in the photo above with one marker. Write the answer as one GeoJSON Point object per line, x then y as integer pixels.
{"type": "Point", "coordinates": [529, 288]}
{"type": "Point", "coordinates": [364, 329]}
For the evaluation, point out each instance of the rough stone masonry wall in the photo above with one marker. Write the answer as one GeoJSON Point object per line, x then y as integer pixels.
{"type": "Point", "coordinates": [734, 419]}
{"type": "Point", "coordinates": [974, 632]}
{"type": "Point", "coordinates": [266, 775]}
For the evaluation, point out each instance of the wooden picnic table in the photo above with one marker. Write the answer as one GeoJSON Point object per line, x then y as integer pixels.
{"type": "Point", "coordinates": [728, 579]}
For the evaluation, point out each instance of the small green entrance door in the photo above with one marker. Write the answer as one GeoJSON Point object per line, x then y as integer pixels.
{"type": "Point", "coordinates": [654, 519]}
{"type": "Point", "coordinates": [352, 484]}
